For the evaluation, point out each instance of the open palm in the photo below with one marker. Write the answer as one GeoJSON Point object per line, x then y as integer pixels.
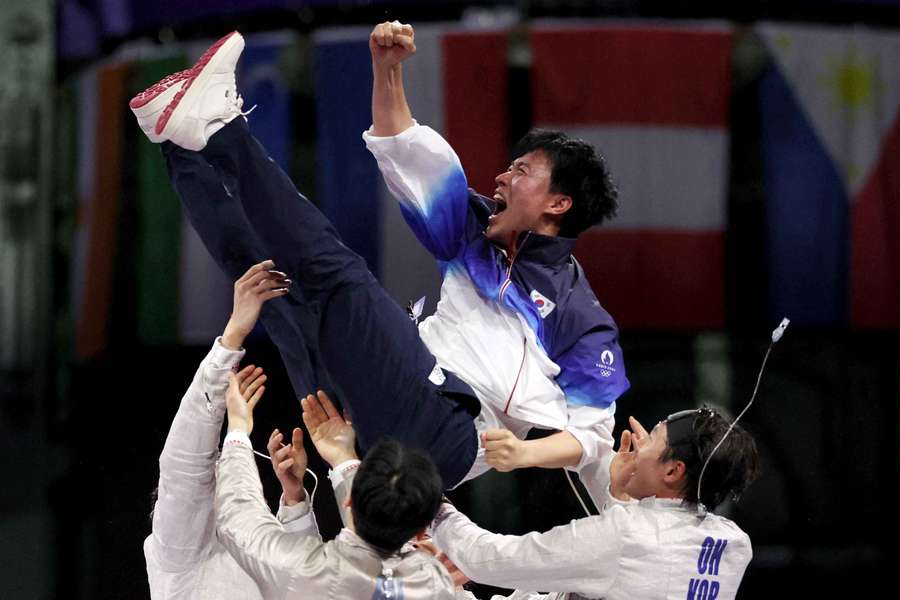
{"type": "Point", "coordinates": [330, 432]}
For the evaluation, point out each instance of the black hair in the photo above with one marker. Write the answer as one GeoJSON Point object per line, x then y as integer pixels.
{"type": "Point", "coordinates": [396, 493]}
{"type": "Point", "coordinates": [578, 172]}
{"type": "Point", "coordinates": [732, 468]}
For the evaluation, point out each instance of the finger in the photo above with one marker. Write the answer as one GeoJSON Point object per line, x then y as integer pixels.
{"type": "Point", "coordinates": [272, 447]}
{"type": "Point", "coordinates": [233, 380]}
{"type": "Point", "coordinates": [497, 446]}
{"type": "Point", "coordinates": [274, 442]}
{"type": "Point", "coordinates": [254, 399]}
{"type": "Point", "coordinates": [406, 29]}
{"type": "Point", "coordinates": [381, 35]}
{"type": "Point", "coordinates": [327, 404]}
{"type": "Point", "coordinates": [405, 41]}
{"type": "Point", "coordinates": [312, 411]}
{"type": "Point", "coordinates": [625, 442]}
{"type": "Point", "coordinates": [256, 278]}
{"type": "Point", "coordinates": [376, 33]}
{"type": "Point", "coordinates": [266, 264]}
{"type": "Point", "coordinates": [276, 293]}
{"type": "Point", "coordinates": [309, 418]}
{"type": "Point", "coordinates": [387, 33]}
{"type": "Point", "coordinates": [272, 283]}
{"type": "Point", "coordinates": [244, 372]}
{"type": "Point", "coordinates": [297, 438]}
{"type": "Point", "coordinates": [347, 418]}
{"type": "Point", "coordinates": [496, 434]}
{"type": "Point", "coordinates": [638, 429]}
{"type": "Point", "coordinates": [252, 372]}
{"type": "Point", "coordinates": [241, 375]}
{"type": "Point", "coordinates": [285, 465]}
{"type": "Point", "coordinates": [257, 382]}
{"type": "Point", "coordinates": [281, 454]}
{"type": "Point", "coordinates": [316, 407]}
{"type": "Point", "coordinates": [251, 377]}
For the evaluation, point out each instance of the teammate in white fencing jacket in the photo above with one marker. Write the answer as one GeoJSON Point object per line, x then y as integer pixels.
{"type": "Point", "coordinates": [184, 558]}
{"type": "Point", "coordinates": [650, 541]}
{"type": "Point", "coordinates": [287, 566]}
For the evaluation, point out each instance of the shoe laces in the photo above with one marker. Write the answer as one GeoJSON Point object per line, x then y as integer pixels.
{"type": "Point", "coordinates": [236, 102]}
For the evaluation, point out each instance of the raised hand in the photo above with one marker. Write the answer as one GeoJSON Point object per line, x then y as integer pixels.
{"type": "Point", "coordinates": [244, 391]}
{"type": "Point", "coordinates": [391, 43]}
{"type": "Point", "coordinates": [289, 463]}
{"type": "Point", "coordinates": [330, 432]}
{"type": "Point", "coordinates": [259, 284]}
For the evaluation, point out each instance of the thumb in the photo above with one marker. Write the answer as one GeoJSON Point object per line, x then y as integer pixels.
{"type": "Point", "coordinates": [233, 383]}
{"type": "Point", "coordinates": [297, 438]}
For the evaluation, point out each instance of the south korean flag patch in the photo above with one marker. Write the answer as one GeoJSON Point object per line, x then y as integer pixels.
{"type": "Point", "coordinates": [544, 305]}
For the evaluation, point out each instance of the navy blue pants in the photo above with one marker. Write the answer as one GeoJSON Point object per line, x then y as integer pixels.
{"type": "Point", "coordinates": [246, 209]}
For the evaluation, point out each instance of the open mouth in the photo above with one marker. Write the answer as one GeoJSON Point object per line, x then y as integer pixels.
{"type": "Point", "coordinates": [499, 205]}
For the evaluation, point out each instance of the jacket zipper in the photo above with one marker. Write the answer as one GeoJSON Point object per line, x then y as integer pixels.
{"type": "Point", "coordinates": [513, 253]}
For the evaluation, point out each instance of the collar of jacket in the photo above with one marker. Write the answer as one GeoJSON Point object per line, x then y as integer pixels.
{"type": "Point", "coordinates": [547, 250]}
{"type": "Point", "coordinates": [351, 538]}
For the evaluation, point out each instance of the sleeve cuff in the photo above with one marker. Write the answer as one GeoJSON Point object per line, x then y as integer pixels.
{"type": "Point", "coordinates": [588, 454]}
{"type": "Point", "coordinates": [237, 438]}
{"type": "Point", "coordinates": [340, 473]}
{"type": "Point", "coordinates": [288, 514]}
{"type": "Point", "coordinates": [221, 357]}
{"type": "Point", "coordinates": [305, 523]}
{"type": "Point", "coordinates": [445, 510]}
{"type": "Point", "coordinates": [368, 136]}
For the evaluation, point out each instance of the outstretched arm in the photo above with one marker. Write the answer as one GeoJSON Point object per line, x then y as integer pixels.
{"type": "Point", "coordinates": [505, 452]}
{"type": "Point", "coordinates": [581, 557]}
{"type": "Point", "coordinates": [183, 514]}
{"type": "Point", "coordinates": [335, 439]}
{"type": "Point", "coordinates": [260, 283]}
{"type": "Point", "coordinates": [257, 541]}
{"type": "Point", "coordinates": [420, 168]}
{"type": "Point", "coordinates": [390, 44]}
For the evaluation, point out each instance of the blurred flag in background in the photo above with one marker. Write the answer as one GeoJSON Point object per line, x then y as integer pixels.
{"type": "Point", "coordinates": [654, 101]}
{"type": "Point", "coordinates": [831, 140]}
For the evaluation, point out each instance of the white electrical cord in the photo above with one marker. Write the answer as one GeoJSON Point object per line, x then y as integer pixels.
{"type": "Point", "coordinates": [776, 335]}
{"type": "Point", "coordinates": [587, 513]}
{"type": "Point", "coordinates": [312, 496]}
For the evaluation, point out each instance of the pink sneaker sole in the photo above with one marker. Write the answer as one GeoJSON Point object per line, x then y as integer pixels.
{"type": "Point", "coordinates": [158, 88]}
{"type": "Point", "coordinates": [188, 76]}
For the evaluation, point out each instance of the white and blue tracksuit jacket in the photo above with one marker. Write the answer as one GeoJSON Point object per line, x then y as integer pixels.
{"type": "Point", "coordinates": [524, 330]}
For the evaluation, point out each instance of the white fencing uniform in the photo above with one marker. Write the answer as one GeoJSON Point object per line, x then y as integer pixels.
{"type": "Point", "coordinates": [184, 558]}
{"type": "Point", "coordinates": [654, 549]}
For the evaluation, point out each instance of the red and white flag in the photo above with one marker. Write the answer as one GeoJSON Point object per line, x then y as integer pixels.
{"type": "Point", "coordinates": [654, 101]}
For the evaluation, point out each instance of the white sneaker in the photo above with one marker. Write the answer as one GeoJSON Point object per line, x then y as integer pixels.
{"type": "Point", "coordinates": [188, 107]}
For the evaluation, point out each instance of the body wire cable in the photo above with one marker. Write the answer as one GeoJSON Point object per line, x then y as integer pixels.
{"type": "Point", "coordinates": [312, 496]}
{"type": "Point", "coordinates": [776, 335]}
